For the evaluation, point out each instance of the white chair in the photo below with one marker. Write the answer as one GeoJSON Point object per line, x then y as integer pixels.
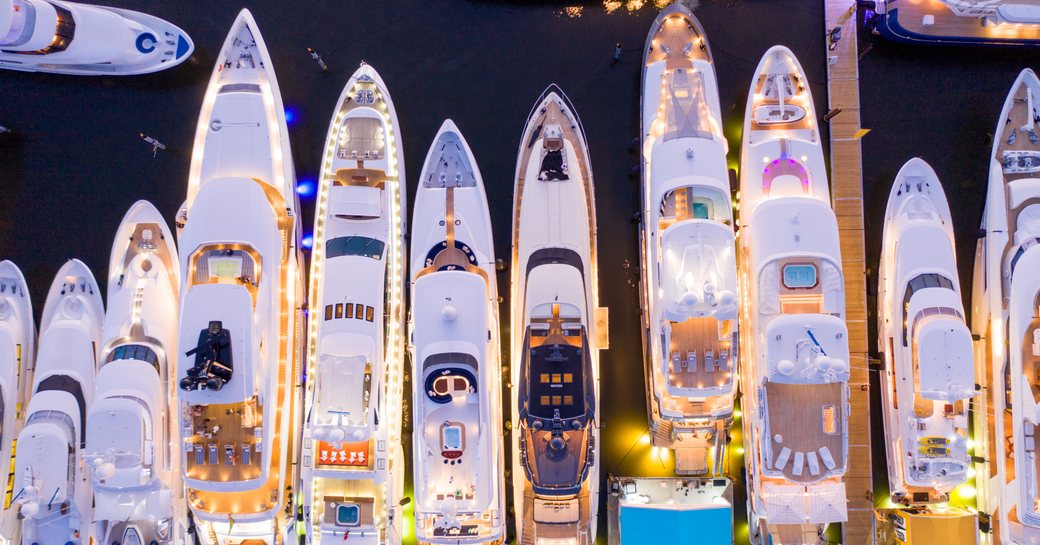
{"type": "Point", "coordinates": [814, 463]}
{"type": "Point", "coordinates": [781, 460]}
{"type": "Point", "coordinates": [828, 460]}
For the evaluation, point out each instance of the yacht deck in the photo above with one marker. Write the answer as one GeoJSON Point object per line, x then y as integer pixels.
{"type": "Point", "coordinates": [700, 354]}
{"type": "Point", "coordinates": [1015, 148]}
{"type": "Point", "coordinates": [224, 443]}
{"type": "Point", "coordinates": [945, 25]}
{"type": "Point", "coordinates": [807, 429]}
{"type": "Point", "coordinates": [673, 44]}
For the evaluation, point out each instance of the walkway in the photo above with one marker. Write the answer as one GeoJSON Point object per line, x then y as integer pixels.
{"type": "Point", "coordinates": [847, 192]}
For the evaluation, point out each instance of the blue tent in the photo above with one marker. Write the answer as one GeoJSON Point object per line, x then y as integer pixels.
{"type": "Point", "coordinates": [657, 524]}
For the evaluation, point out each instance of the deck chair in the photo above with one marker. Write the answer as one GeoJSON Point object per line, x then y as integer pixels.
{"type": "Point", "coordinates": [691, 361]}
{"type": "Point", "coordinates": [247, 454]}
{"type": "Point", "coordinates": [814, 463]}
{"type": "Point", "coordinates": [213, 454]}
{"type": "Point", "coordinates": [229, 454]}
{"type": "Point", "coordinates": [781, 460]}
{"type": "Point", "coordinates": [200, 458]}
{"type": "Point", "coordinates": [799, 461]}
{"type": "Point", "coordinates": [675, 362]}
{"type": "Point", "coordinates": [724, 360]}
{"type": "Point", "coordinates": [828, 460]}
{"type": "Point", "coordinates": [709, 361]}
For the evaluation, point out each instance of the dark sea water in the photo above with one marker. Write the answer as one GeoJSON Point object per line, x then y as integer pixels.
{"type": "Point", "coordinates": [75, 163]}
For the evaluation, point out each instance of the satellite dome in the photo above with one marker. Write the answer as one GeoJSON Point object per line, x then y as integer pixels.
{"type": "Point", "coordinates": [785, 367]}
{"type": "Point", "coordinates": [727, 298]}
{"type": "Point", "coordinates": [449, 313]}
{"type": "Point", "coordinates": [72, 308]}
{"type": "Point", "coordinates": [689, 299]}
{"type": "Point", "coordinates": [30, 508]}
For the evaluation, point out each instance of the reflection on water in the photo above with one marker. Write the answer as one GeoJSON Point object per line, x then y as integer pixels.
{"type": "Point", "coordinates": [632, 6]}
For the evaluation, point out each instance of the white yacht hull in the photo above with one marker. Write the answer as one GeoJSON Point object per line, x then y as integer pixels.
{"type": "Point", "coordinates": [156, 45]}
{"type": "Point", "coordinates": [554, 222]}
{"type": "Point", "coordinates": [368, 209]}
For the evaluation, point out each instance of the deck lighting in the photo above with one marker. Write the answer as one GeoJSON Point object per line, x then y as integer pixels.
{"type": "Point", "coordinates": [290, 115]}
{"type": "Point", "coordinates": [308, 241]}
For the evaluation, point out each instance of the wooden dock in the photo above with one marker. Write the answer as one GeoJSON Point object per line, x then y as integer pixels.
{"type": "Point", "coordinates": [847, 195]}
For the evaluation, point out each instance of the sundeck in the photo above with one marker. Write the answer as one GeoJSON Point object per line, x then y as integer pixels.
{"type": "Point", "coordinates": [241, 297]}
{"type": "Point", "coordinates": [555, 373]}
{"type": "Point", "coordinates": [353, 462]}
{"type": "Point", "coordinates": [992, 22]}
{"type": "Point", "coordinates": [81, 39]}
{"type": "Point", "coordinates": [929, 372]}
{"type": "Point", "coordinates": [52, 486]}
{"type": "Point", "coordinates": [458, 448]}
{"type": "Point", "coordinates": [133, 458]}
{"type": "Point", "coordinates": [1005, 303]}
{"type": "Point", "coordinates": [687, 247]}
{"type": "Point", "coordinates": [796, 360]}
{"type": "Point", "coordinates": [17, 356]}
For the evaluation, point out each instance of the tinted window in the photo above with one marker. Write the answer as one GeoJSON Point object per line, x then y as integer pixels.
{"type": "Point", "coordinates": [360, 246]}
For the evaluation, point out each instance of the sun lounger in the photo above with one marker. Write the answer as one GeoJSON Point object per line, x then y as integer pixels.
{"type": "Point", "coordinates": [213, 453]}
{"type": "Point", "coordinates": [828, 460]}
{"type": "Point", "coordinates": [709, 361]}
{"type": "Point", "coordinates": [247, 455]}
{"type": "Point", "coordinates": [799, 461]}
{"type": "Point", "coordinates": [200, 458]}
{"type": "Point", "coordinates": [691, 361]}
{"type": "Point", "coordinates": [781, 460]}
{"type": "Point", "coordinates": [814, 463]}
{"type": "Point", "coordinates": [675, 362]}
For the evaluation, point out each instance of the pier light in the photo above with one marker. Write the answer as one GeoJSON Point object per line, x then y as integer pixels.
{"type": "Point", "coordinates": [965, 491]}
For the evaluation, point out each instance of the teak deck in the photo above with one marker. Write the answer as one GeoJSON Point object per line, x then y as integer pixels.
{"type": "Point", "coordinates": [946, 23]}
{"type": "Point", "coordinates": [847, 197]}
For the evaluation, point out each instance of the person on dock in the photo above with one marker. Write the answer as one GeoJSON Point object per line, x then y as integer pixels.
{"type": "Point", "coordinates": [617, 52]}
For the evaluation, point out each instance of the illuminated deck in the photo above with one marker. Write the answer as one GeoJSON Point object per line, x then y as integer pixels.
{"type": "Point", "coordinates": [935, 21]}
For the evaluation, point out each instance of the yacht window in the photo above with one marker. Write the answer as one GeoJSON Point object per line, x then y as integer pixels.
{"type": "Point", "coordinates": [349, 313]}
{"type": "Point", "coordinates": [328, 312]}
{"type": "Point", "coordinates": [920, 282]}
{"type": "Point", "coordinates": [370, 313]}
{"type": "Point", "coordinates": [65, 383]}
{"type": "Point", "coordinates": [134, 352]}
{"type": "Point", "coordinates": [1021, 251]}
{"type": "Point", "coordinates": [354, 245]}
{"type": "Point", "coordinates": [800, 276]}
{"type": "Point", "coordinates": [339, 310]}
{"type": "Point", "coordinates": [348, 514]}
